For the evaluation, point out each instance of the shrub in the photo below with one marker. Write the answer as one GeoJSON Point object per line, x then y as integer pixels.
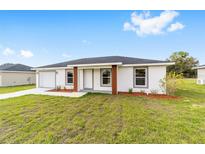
{"type": "Point", "coordinates": [170, 83]}
{"type": "Point", "coordinates": [130, 90]}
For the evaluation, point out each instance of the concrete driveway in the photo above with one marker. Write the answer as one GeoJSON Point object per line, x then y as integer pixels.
{"type": "Point", "coordinates": [41, 91]}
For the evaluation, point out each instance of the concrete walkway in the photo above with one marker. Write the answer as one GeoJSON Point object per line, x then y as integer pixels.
{"type": "Point", "coordinates": [41, 91]}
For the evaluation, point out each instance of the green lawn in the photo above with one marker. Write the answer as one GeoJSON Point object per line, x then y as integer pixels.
{"type": "Point", "coordinates": [101, 118]}
{"type": "Point", "coordinates": [4, 90]}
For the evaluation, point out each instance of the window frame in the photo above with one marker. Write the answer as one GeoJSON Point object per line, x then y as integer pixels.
{"type": "Point", "coordinates": [101, 77]}
{"type": "Point", "coordinates": [146, 77]}
{"type": "Point", "coordinates": [66, 76]}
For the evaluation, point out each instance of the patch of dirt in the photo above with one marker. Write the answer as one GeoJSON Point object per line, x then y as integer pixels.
{"type": "Point", "coordinates": [155, 96]}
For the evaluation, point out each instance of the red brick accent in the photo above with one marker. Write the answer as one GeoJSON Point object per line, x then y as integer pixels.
{"type": "Point", "coordinates": [114, 80]}
{"type": "Point", "coordinates": [75, 80]}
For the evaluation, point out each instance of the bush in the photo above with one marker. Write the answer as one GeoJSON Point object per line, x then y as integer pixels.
{"type": "Point", "coordinates": [130, 90]}
{"type": "Point", "coordinates": [170, 83]}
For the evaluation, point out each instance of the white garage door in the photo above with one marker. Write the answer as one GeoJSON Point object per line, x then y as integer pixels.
{"type": "Point", "coordinates": [47, 79]}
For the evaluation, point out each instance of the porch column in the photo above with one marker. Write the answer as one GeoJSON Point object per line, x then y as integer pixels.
{"type": "Point", "coordinates": [75, 80]}
{"type": "Point", "coordinates": [114, 80]}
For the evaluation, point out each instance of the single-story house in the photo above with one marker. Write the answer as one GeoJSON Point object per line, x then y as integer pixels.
{"type": "Point", "coordinates": [16, 74]}
{"type": "Point", "coordinates": [200, 74]}
{"type": "Point", "coordinates": [111, 74]}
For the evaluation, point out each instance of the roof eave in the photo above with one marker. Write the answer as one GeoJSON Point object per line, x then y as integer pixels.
{"type": "Point", "coordinates": [199, 67]}
{"type": "Point", "coordinates": [151, 64]}
{"type": "Point", "coordinates": [104, 64]}
{"type": "Point", "coordinates": [6, 71]}
{"type": "Point", "coordinates": [95, 64]}
{"type": "Point", "coordinates": [48, 68]}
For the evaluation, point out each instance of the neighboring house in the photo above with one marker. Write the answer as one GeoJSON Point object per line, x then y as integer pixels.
{"type": "Point", "coordinates": [200, 74]}
{"type": "Point", "coordinates": [111, 74]}
{"type": "Point", "coordinates": [16, 74]}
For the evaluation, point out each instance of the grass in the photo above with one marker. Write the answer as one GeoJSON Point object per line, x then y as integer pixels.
{"type": "Point", "coordinates": [103, 118]}
{"type": "Point", "coordinates": [4, 90]}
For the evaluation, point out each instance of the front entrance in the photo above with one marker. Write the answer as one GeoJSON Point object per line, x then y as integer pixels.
{"type": "Point", "coordinates": [88, 79]}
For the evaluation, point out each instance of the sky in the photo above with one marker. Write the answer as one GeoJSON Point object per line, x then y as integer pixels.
{"type": "Point", "coordinates": [39, 38]}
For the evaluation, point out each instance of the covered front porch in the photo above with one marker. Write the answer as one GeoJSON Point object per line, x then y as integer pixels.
{"type": "Point", "coordinates": [102, 79]}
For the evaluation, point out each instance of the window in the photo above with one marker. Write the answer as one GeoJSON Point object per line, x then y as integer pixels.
{"type": "Point", "coordinates": [69, 77]}
{"type": "Point", "coordinates": [140, 77]}
{"type": "Point", "coordinates": [105, 77]}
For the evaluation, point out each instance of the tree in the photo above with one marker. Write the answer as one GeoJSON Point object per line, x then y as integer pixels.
{"type": "Point", "coordinates": [183, 64]}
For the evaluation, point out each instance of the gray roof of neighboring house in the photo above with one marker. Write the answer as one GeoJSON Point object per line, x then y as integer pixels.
{"type": "Point", "coordinates": [200, 66]}
{"type": "Point", "coordinates": [108, 59]}
{"type": "Point", "coordinates": [14, 67]}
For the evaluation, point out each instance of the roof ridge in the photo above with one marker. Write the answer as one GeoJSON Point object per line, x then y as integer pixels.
{"type": "Point", "coordinates": [19, 65]}
{"type": "Point", "coordinates": [80, 59]}
{"type": "Point", "coordinates": [98, 57]}
{"type": "Point", "coordinates": [7, 65]}
{"type": "Point", "coordinates": [105, 59]}
{"type": "Point", "coordinates": [16, 67]}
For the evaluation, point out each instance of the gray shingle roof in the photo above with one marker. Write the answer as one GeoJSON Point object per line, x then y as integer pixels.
{"type": "Point", "coordinates": [15, 67]}
{"type": "Point", "coordinates": [108, 59]}
{"type": "Point", "coordinates": [200, 67]}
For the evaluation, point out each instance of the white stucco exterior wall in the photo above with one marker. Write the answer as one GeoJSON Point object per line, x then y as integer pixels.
{"type": "Point", "coordinates": [61, 79]}
{"type": "Point", "coordinates": [156, 74]}
{"type": "Point", "coordinates": [201, 76]}
{"type": "Point", "coordinates": [97, 84]}
{"type": "Point", "coordinates": [80, 79]}
{"type": "Point", "coordinates": [126, 79]}
{"type": "Point", "coordinates": [37, 80]}
{"type": "Point", "coordinates": [15, 78]}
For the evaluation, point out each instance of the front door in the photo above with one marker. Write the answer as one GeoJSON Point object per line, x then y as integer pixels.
{"type": "Point", "coordinates": [88, 79]}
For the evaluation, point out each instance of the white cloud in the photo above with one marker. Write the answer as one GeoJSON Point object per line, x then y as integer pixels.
{"type": "Point", "coordinates": [144, 24]}
{"type": "Point", "coordinates": [174, 27]}
{"type": "Point", "coordinates": [26, 53]}
{"type": "Point", "coordinates": [65, 55]}
{"type": "Point", "coordinates": [129, 27]}
{"type": "Point", "coordinates": [8, 52]}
